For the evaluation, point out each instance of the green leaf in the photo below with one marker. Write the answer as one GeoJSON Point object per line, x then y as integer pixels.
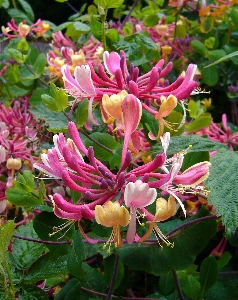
{"type": "Point", "coordinates": [199, 123]}
{"type": "Point", "coordinates": [28, 10]}
{"type": "Point", "coordinates": [199, 47]}
{"type": "Point", "coordinates": [190, 287]}
{"type": "Point", "coordinates": [18, 15]}
{"type": "Point", "coordinates": [39, 65]}
{"type": "Point", "coordinates": [216, 54]}
{"type": "Point", "coordinates": [223, 261]}
{"type": "Point", "coordinates": [208, 274]}
{"type": "Point", "coordinates": [17, 55]}
{"type": "Point", "coordinates": [26, 252]}
{"type": "Point", "coordinates": [194, 109]}
{"type": "Point", "coordinates": [82, 27]}
{"type": "Point", "coordinates": [72, 290]}
{"type": "Point", "coordinates": [4, 3]}
{"type": "Point", "coordinates": [82, 113]}
{"type": "Point", "coordinates": [109, 263]}
{"type": "Point", "coordinates": [166, 283]}
{"type": "Point", "coordinates": [223, 182]}
{"type": "Point", "coordinates": [190, 240]}
{"type": "Point", "coordinates": [47, 266]}
{"type": "Point", "coordinates": [219, 292]}
{"type": "Point", "coordinates": [106, 140]}
{"type": "Point", "coordinates": [32, 292]}
{"type": "Point", "coordinates": [96, 28]}
{"type": "Point", "coordinates": [6, 233]}
{"type": "Point", "coordinates": [58, 102]}
{"type": "Point", "coordinates": [210, 75]}
{"type": "Point", "coordinates": [23, 46]}
{"type": "Point", "coordinates": [22, 192]}
{"type": "Point", "coordinates": [17, 91]}
{"type": "Point", "coordinates": [223, 59]}
{"type": "Point", "coordinates": [93, 279]}
{"type": "Point", "coordinates": [58, 122]}
{"type": "Point", "coordinates": [180, 143]}
{"type": "Point", "coordinates": [44, 224]}
{"type": "Point", "coordinates": [110, 3]}
{"type": "Point", "coordinates": [112, 35]}
{"type": "Point", "coordinates": [76, 256]}
{"type": "Point", "coordinates": [36, 96]}
{"type": "Point", "coordinates": [193, 158]}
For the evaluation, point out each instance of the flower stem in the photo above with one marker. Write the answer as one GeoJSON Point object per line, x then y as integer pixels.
{"type": "Point", "coordinates": [114, 276]}
{"type": "Point", "coordinates": [178, 286]}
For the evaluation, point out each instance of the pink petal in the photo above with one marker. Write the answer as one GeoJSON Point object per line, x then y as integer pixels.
{"type": "Point", "coordinates": [83, 77]}
{"type": "Point", "coordinates": [111, 62]}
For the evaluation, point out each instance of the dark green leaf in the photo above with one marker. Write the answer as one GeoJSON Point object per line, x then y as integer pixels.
{"type": "Point", "coordinates": [72, 290]}
{"type": "Point", "coordinates": [179, 143]}
{"type": "Point", "coordinates": [82, 113]}
{"type": "Point", "coordinates": [193, 158]}
{"type": "Point", "coordinates": [26, 252]}
{"type": "Point", "coordinates": [82, 27]}
{"type": "Point", "coordinates": [18, 15]}
{"type": "Point", "coordinates": [188, 242]}
{"type": "Point", "coordinates": [219, 292]}
{"type": "Point", "coordinates": [28, 10]}
{"type": "Point", "coordinates": [223, 59]}
{"type": "Point", "coordinates": [44, 223]}
{"type": "Point", "coordinates": [216, 54]}
{"type": "Point", "coordinates": [166, 283]}
{"type": "Point", "coordinates": [32, 292]}
{"type": "Point", "coordinates": [76, 256]}
{"type": "Point", "coordinates": [93, 280]}
{"type": "Point", "coordinates": [47, 266]}
{"type": "Point", "coordinates": [58, 122]}
{"type": "Point", "coordinates": [109, 263]}
{"type": "Point", "coordinates": [36, 96]}
{"type": "Point", "coordinates": [106, 140]}
{"type": "Point", "coordinates": [223, 183]}
{"type": "Point", "coordinates": [190, 287]}
{"type": "Point", "coordinates": [210, 75]}
{"type": "Point", "coordinates": [208, 274]}
{"type": "Point", "coordinates": [223, 261]}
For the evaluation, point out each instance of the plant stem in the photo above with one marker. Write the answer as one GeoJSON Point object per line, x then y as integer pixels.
{"type": "Point", "coordinates": [128, 16]}
{"type": "Point", "coordinates": [46, 84]}
{"type": "Point", "coordinates": [71, 6]}
{"type": "Point", "coordinates": [177, 284]}
{"type": "Point", "coordinates": [114, 276]}
{"type": "Point", "coordinates": [103, 18]}
{"type": "Point", "coordinates": [40, 241]}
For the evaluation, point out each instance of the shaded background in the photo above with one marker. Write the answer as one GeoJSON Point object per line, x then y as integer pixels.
{"type": "Point", "coordinates": [50, 10]}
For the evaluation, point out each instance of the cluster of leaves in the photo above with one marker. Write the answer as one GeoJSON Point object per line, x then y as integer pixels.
{"type": "Point", "coordinates": [34, 264]}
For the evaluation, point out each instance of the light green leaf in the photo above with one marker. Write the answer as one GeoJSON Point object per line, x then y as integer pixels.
{"type": "Point", "coordinates": [6, 233]}
{"type": "Point", "coordinates": [22, 192]}
{"type": "Point", "coordinates": [18, 15]}
{"type": "Point", "coordinates": [82, 27]}
{"type": "Point", "coordinates": [223, 183]}
{"type": "Point", "coordinates": [110, 3]}
{"type": "Point", "coordinates": [17, 55]}
{"type": "Point", "coordinates": [199, 123]}
{"type": "Point", "coordinates": [199, 47]}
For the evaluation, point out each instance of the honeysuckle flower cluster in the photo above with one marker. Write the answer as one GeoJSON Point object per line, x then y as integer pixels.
{"type": "Point", "coordinates": [64, 51]}
{"type": "Point", "coordinates": [106, 196]}
{"type": "Point", "coordinates": [22, 30]}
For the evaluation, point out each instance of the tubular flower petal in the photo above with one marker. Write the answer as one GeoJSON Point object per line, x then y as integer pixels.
{"type": "Point", "coordinates": [111, 62]}
{"type": "Point", "coordinates": [131, 112]}
{"type": "Point", "coordinates": [164, 210]}
{"type": "Point", "coordinates": [112, 215]}
{"type": "Point", "coordinates": [137, 194]}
